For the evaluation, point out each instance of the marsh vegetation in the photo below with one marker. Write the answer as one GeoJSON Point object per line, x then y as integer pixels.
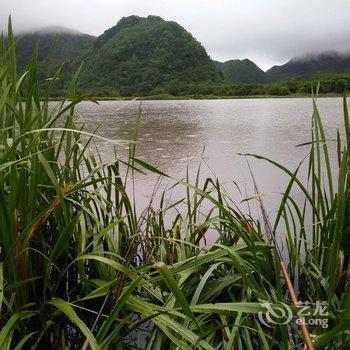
{"type": "Point", "coordinates": [82, 267]}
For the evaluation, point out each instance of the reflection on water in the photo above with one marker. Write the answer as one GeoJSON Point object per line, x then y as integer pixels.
{"type": "Point", "coordinates": [177, 134]}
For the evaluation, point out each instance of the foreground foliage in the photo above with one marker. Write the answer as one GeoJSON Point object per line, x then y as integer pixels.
{"type": "Point", "coordinates": [81, 267]}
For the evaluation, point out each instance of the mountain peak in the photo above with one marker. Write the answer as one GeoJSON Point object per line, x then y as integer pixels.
{"type": "Point", "coordinates": [242, 71]}
{"type": "Point", "coordinates": [124, 23]}
{"type": "Point", "coordinates": [140, 55]}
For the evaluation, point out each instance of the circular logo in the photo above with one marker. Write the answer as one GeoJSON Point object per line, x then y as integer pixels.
{"type": "Point", "coordinates": [275, 314]}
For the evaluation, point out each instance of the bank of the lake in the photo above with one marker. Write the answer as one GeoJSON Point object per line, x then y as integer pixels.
{"type": "Point", "coordinates": [192, 97]}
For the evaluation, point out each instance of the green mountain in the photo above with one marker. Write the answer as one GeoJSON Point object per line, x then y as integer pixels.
{"type": "Point", "coordinates": [314, 65]}
{"type": "Point", "coordinates": [56, 45]}
{"type": "Point", "coordinates": [150, 56]}
{"type": "Point", "coordinates": [246, 71]}
{"type": "Point", "coordinates": [241, 71]}
{"type": "Point", "coordinates": [141, 56]}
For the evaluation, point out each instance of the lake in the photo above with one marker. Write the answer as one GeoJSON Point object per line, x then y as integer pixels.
{"type": "Point", "coordinates": [177, 134]}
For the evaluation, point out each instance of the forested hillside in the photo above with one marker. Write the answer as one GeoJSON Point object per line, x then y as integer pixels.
{"type": "Point", "coordinates": [147, 56]}
{"type": "Point", "coordinates": [150, 56]}
{"type": "Point", "coordinates": [56, 45]}
{"type": "Point", "coordinates": [242, 71]}
{"type": "Point", "coordinates": [314, 65]}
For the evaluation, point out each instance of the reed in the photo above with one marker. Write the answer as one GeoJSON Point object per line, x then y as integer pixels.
{"type": "Point", "coordinates": [80, 267]}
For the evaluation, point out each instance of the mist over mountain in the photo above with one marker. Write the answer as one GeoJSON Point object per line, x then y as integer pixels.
{"type": "Point", "coordinates": [148, 56]}
{"type": "Point", "coordinates": [311, 65]}
{"type": "Point", "coordinates": [57, 45]}
{"type": "Point", "coordinates": [137, 56]}
{"type": "Point", "coordinates": [54, 29]}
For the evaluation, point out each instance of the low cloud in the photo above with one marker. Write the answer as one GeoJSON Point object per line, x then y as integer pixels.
{"type": "Point", "coordinates": [268, 32]}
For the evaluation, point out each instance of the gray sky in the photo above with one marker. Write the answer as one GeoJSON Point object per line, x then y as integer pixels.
{"type": "Point", "coordinates": [268, 32]}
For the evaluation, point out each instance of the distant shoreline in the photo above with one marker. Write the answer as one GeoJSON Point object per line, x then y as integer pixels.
{"type": "Point", "coordinates": [204, 97]}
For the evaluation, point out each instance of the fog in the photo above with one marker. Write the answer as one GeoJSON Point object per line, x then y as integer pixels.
{"type": "Point", "coordinates": [268, 32]}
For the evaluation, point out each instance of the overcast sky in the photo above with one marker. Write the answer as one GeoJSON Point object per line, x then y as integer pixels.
{"type": "Point", "coordinates": [268, 32]}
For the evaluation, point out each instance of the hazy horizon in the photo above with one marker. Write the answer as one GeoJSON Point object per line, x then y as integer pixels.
{"type": "Point", "coordinates": [269, 33]}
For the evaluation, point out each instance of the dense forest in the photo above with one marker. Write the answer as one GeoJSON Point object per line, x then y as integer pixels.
{"type": "Point", "coordinates": [56, 46]}
{"type": "Point", "coordinates": [242, 71]}
{"type": "Point", "coordinates": [153, 57]}
{"type": "Point", "coordinates": [329, 84]}
{"type": "Point", "coordinates": [147, 56]}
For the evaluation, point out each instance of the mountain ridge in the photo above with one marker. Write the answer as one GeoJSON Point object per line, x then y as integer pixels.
{"type": "Point", "coordinates": [330, 62]}
{"type": "Point", "coordinates": [149, 55]}
{"type": "Point", "coordinates": [242, 71]}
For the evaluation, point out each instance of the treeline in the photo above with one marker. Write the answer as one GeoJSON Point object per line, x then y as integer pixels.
{"type": "Point", "coordinates": [336, 84]}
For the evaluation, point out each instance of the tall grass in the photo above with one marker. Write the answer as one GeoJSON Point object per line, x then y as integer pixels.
{"type": "Point", "coordinates": [80, 267]}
